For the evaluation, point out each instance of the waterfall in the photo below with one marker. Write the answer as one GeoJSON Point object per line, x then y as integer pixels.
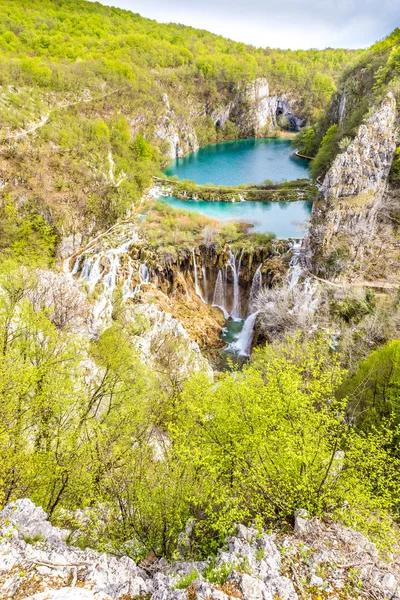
{"type": "Point", "coordinates": [110, 280]}
{"type": "Point", "coordinates": [246, 335]}
{"type": "Point", "coordinates": [242, 345]}
{"type": "Point", "coordinates": [235, 313]}
{"type": "Point", "coordinates": [196, 278]}
{"type": "Point", "coordinates": [86, 267]}
{"type": "Point", "coordinates": [219, 294]}
{"type": "Point", "coordinates": [295, 270]}
{"type": "Point", "coordinates": [127, 291]}
{"type": "Point", "coordinates": [95, 273]}
{"type": "Point", "coordinates": [256, 286]}
{"type": "Point", "coordinates": [203, 266]}
{"type": "Point", "coordinates": [144, 273]}
{"type": "Point", "coordinates": [76, 265]}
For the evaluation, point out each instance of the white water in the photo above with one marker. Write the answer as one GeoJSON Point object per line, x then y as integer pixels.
{"type": "Point", "coordinates": [242, 345]}
{"type": "Point", "coordinates": [295, 270]}
{"type": "Point", "coordinates": [219, 293]}
{"type": "Point", "coordinates": [95, 273]}
{"type": "Point", "coordinates": [235, 313]}
{"type": "Point", "coordinates": [256, 286]}
{"type": "Point", "coordinates": [205, 289]}
{"type": "Point", "coordinates": [76, 266]}
{"type": "Point", "coordinates": [305, 298]}
{"type": "Point", "coordinates": [196, 279]}
{"type": "Point", "coordinates": [144, 273]}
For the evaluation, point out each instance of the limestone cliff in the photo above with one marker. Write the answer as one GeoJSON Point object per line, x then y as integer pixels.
{"type": "Point", "coordinates": [254, 110]}
{"type": "Point", "coordinates": [177, 131]}
{"type": "Point", "coordinates": [250, 106]}
{"type": "Point", "coordinates": [344, 218]}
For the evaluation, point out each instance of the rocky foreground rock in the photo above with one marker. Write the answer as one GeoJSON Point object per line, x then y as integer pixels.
{"type": "Point", "coordinates": [319, 560]}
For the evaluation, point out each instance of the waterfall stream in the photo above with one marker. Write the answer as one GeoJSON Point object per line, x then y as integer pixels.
{"type": "Point", "coordinates": [235, 313]}
{"type": "Point", "coordinates": [256, 286]}
{"type": "Point", "coordinates": [244, 341]}
{"type": "Point", "coordinates": [196, 278]}
{"type": "Point", "coordinates": [205, 287]}
{"type": "Point", "coordinates": [219, 294]}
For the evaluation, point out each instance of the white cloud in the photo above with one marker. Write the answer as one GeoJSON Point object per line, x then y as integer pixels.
{"type": "Point", "coordinates": [290, 24]}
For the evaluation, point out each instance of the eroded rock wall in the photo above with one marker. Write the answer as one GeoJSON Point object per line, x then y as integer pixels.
{"type": "Point", "coordinates": [344, 218]}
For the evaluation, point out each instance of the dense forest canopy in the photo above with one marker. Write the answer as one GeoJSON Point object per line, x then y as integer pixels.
{"type": "Point", "coordinates": [118, 44]}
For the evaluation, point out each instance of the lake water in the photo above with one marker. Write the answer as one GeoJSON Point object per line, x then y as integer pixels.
{"type": "Point", "coordinates": [284, 219]}
{"type": "Point", "coordinates": [241, 161]}
{"type": "Point", "coordinates": [245, 161]}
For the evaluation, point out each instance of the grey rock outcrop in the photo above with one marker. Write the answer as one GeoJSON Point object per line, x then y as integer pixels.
{"type": "Point", "coordinates": [344, 219]}
{"type": "Point", "coordinates": [255, 111]}
{"type": "Point", "coordinates": [366, 163]}
{"type": "Point", "coordinates": [256, 566]}
{"type": "Point", "coordinates": [177, 131]}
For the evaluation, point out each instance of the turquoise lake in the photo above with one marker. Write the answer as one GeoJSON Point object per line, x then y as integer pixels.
{"type": "Point", "coordinates": [241, 161]}
{"type": "Point", "coordinates": [284, 219]}
{"type": "Point", "coordinates": [245, 161]}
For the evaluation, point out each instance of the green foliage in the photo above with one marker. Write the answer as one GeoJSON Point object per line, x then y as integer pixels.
{"type": "Point", "coordinates": [306, 141]}
{"type": "Point", "coordinates": [32, 539]}
{"type": "Point", "coordinates": [87, 425]}
{"type": "Point", "coordinates": [374, 390]}
{"type": "Point", "coordinates": [27, 238]}
{"type": "Point", "coordinates": [142, 148]}
{"type": "Point", "coordinates": [326, 153]}
{"type": "Point", "coordinates": [363, 84]}
{"type": "Point", "coordinates": [395, 171]}
{"type": "Point", "coordinates": [266, 443]}
{"type": "Point", "coordinates": [186, 580]}
{"type": "Point", "coordinates": [353, 308]}
{"type": "Point", "coordinates": [218, 575]}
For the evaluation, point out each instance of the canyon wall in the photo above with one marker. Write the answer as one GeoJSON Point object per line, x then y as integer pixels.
{"type": "Point", "coordinates": [352, 193]}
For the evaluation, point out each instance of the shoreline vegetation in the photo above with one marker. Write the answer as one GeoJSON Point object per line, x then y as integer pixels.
{"type": "Point", "coordinates": [288, 191]}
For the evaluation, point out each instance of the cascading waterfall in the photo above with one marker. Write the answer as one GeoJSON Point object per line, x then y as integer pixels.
{"type": "Point", "coordinates": [293, 274]}
{"type": "Point", "coordinates": [86, 267]}
{"type": "Point", "coordinates": [95, 274]}
{"type": "Point", "coordinates": [305, 299]}
{"type": "Point", "coordinates": [235, 313]}
{"type": "Point", "coordinates": [219, 294]}
{"type": "Point", "coordinates": [205, 288]}
{"type": "Point", "coordinates": [242, 346]}
{"type": "Point", "coordinates": [196, 278]}
{"type": "Point", "coordinates": [127, 291]}
{"type": "Point", "coordinates": [76, 266]}
{"type": "Point", "coordinates": [256, 286]}
{"type": "Point", "coordinates": [144, 273]}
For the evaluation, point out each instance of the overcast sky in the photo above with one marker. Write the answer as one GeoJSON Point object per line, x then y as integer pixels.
{"type": "Point", "coordinates": [279, 23]}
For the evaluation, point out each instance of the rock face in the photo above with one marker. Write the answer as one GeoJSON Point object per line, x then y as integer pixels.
{"type": "Point", "coordinates": [249, 105]}
{"type": "Point", "coordinates": [344, 218]}
{"type": "Point", "coordinates": [253, 565]}
{"type": "Point", "coordinates": [254, 111]}
{"type": "Point", "coordinates": [366, 163]}
{"type": "Point", "coordinates": [177, 131]}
